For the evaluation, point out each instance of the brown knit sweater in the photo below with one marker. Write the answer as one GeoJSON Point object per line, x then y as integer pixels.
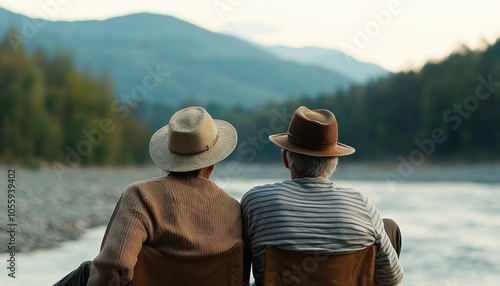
{"type": "Point", "coordinates": [177, 216]}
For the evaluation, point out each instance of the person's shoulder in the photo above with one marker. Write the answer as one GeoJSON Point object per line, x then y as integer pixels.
{"type": "Point", "coordinates": [142, 185]}
{"type": "Point", "coordinates": [261, 189]}
{"type": "Point", "coordinates": [350, 191]}
{"type": "Point", "coordinates": [266, 187]}
{"type": "Point", "coordinates": [347, 190]}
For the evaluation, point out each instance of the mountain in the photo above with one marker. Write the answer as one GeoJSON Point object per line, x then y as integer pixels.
{"type": "Point", "coordinates": [331, 60]}
{"type": "Point", "coordinates": [187, 62]}
{"type": "Point", "coordinates": [448, 110]}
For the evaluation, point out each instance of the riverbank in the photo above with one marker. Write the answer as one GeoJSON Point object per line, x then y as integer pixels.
{"type": "Point", "coordinates": [479, 173]}
{"type": "Point", "coordinates": [54, 205]}
{"type": "Point", "coordinates": [47, 266]}
{"type": "Point", "coordinates": [394, 173]}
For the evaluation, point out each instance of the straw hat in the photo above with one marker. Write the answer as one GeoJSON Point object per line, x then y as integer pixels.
{"type": "Point", "coordinates": [192, 140]}
{"type": "Point", "coordinates": [313, 133]}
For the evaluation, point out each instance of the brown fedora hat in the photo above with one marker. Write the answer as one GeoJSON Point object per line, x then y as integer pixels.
{"type": "Point", "coordinates": [192, 140]}
{"type": "Point", "coordinates": [313, 133]}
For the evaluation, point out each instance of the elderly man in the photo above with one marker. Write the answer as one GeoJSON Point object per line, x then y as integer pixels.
{"type": "Point", "coordinates": [311, 213]}
{"type": "Point", "coordinates": [183, 214]}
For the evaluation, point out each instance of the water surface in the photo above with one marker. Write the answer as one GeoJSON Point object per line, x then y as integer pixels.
{"type": "Point", "coordinates": [450, 228]}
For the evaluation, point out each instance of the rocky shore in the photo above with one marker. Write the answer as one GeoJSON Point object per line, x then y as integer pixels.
{"type": "Point", "coordinates": [57, 204]}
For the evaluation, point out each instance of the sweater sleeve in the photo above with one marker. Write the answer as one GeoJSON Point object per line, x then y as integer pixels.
{"type": "Point", "coordinates": [127, 230]}
{"type": "Point", "coordinates": [388, 270]}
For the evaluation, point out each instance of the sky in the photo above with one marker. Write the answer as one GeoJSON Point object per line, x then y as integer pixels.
{"type": "Point", "coordinates": [398, 35]}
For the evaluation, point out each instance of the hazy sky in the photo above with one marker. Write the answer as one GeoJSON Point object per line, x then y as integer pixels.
{"type": "Point", "coordinates": [396, 34]}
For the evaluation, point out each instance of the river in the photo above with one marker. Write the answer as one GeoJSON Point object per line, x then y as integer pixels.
{"type": "Point", "coordinates": [451, 228]}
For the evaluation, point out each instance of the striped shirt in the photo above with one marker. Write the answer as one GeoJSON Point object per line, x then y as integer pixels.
{"type": "Point", "coordinates": [316, 215]}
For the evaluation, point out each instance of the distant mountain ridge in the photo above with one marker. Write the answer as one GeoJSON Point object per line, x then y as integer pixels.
{"type": "Point", "coordinates": [201, 65]}
{"type": "Point", "coordinates": [331, 60]}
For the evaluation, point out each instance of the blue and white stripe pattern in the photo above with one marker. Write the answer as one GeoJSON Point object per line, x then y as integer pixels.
{"type": "Point", "coordinates": [314, 214]}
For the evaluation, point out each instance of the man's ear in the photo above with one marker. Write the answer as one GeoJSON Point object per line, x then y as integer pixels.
{"type": "Point", "coordinates": [210, 169]}
{"type": "Point", "coordinates": [205, 172]}
{"type": "Point", "coordinates": [285, 159]}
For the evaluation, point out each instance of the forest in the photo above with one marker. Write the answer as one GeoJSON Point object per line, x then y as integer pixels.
{"type": "Point", "coordinates": [453, 105]}
{"type": "Point", "coordinates": [447, 111]}
{"type": "Point", "coordinates": [51, 112]}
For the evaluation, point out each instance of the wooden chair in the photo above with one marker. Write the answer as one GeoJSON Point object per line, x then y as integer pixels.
{"type": "Point", "coordinates": [285, 267]}
{"type": "Point", "coordinates": [156, 268]}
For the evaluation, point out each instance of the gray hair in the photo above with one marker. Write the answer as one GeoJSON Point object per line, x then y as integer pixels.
{"type": "Point", "coordinates": [309, 166]}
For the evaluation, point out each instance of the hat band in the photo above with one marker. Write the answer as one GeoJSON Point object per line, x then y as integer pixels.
{"type": "Point", "coordinates": [206, 148]}
{"type": "Point", "coordinates": [309, 145]}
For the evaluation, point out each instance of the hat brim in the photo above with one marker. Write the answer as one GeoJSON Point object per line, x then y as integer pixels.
{"type": "Point", "coordinates": [168, 161]}
{"type": "Point", "coordinates": [339, 149]}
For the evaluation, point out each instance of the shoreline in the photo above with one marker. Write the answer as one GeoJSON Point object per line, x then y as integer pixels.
{"type": "Point", "coordinates": [47, 266]}
{"type": "Point", "coordinates": [477, 173]}
{"type": "Point", "coordinates": [389, 171]}
{"type": "Point", "coordinates": [55, 209]}
{"type": "Point", "coordinates": [481, 172]}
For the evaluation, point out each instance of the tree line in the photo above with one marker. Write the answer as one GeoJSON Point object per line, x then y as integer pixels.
{"type": "Point", "coordinates": [448, 110]}
{"type": "Point", "coordinates": [51, 112]}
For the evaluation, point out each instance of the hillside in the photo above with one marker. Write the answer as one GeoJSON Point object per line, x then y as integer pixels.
{"type": "Point", "coordinates": [196, 64]}
{"type": "Point", "coordinates": [448, 110]}
{"type": "Point", "coordinates": [332, 60]}
{"type": "Point", "coordinates": [51, 112]}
